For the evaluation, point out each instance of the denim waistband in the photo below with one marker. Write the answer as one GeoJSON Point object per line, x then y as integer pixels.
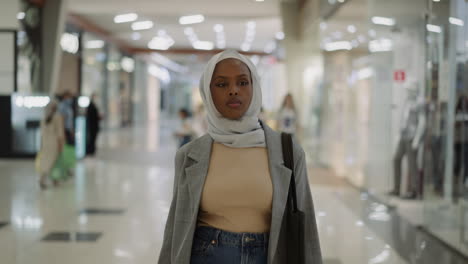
{"type": "Point", "coordinates": [215, 236]}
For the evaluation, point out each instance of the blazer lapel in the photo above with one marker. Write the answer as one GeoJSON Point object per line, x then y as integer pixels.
{"type": "Point", "coordinates": [281, 177]}
{"type": "Point", "coordinates": [196, 173]}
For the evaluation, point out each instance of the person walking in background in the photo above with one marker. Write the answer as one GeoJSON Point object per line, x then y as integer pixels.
{"type": "Point", "coordinates": [287, 116]}
{"type": "Point", "coordinates": [65, 108]}
{"type": "Point", "coordinates": [231, 185]}
{"type": "Point", "coordinates": [185, 131]}
{"type": "Point", "coordinates": [52, 142]}
{"type": "Point", "coordinates": [92, 126]}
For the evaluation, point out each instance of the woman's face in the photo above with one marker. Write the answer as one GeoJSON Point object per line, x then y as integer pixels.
{"type": "Point", "coordinates": [231, 88]}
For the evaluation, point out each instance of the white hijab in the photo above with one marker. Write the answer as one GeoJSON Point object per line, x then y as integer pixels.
{"type": "Point", "coordinates": [245, 132]}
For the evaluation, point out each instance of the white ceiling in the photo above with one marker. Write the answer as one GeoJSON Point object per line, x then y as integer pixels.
{"type": "Point", "coordinates": [165, 14]}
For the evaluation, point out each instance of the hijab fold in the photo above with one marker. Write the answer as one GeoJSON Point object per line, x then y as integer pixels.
{"type": "Point", "coordinates": [245, 132]}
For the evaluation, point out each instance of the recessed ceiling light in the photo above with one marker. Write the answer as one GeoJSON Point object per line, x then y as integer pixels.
{"type": "Point", "coordinates": [340, 45]}
{"type": "Point", "coordinates": [279, 35]}
{"type": "Point", "coordinates": [192, 19]}
{"type": "Point", "coordinates": [386, 21]}
{"type": "Point", "coordinates": [21, 15]}
{"type": "Point", "coordinates": [161, 43]}
{"type": "Point", "coordinates": [203, 45]}
{"type": "Point", "coordinates": [352, 29]}
{"type": "Point", "coordinates": [94, 44]}
{"type": "Point", "coordinates": [434, 28]}
{"type": "Point", "coordinates": [124, 18]}
{"type": "Point", "coordinates": [142, 25]}
{"type": "Point", "coordinates": [456, 21]}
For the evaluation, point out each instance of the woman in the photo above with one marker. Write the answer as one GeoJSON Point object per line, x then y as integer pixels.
{"type": "Point", "coordinates": [287, 118]}
{"type": "Point", "coordinates": [231, 186]}
{"type": "Point", "coordinates": [52, 142]}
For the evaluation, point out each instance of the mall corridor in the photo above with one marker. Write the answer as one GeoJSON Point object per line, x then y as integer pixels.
{"type": "Point", "coordinates": [115, 207]}
{"type": "Point", "coordinates": [146, 131]}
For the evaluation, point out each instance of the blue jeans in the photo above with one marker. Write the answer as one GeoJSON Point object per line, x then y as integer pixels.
{"type": "Point", "coordinates": [214, 246]}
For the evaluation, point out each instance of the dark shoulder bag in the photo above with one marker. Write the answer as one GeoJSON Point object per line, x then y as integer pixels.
{"type": "Point", "coordinates": [293, 217]}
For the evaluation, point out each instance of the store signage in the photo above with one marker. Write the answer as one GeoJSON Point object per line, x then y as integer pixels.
{"type": "Point", "coordinates": [399, 76]}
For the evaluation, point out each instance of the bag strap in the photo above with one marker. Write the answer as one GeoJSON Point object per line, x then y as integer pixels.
{"type": "Point", "coordinates": [288, 157]}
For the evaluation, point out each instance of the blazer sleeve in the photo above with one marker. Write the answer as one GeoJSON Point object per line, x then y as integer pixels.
{"type": "Point", "coordinates": [166, 250]}
{"type": "Point", "coordinates": [313, 253]}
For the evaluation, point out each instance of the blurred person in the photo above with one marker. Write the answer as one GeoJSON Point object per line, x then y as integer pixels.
{"type": "Point", "coordinates": [185, 131]}
{"type": "Point", "coordinates": [287, 116]}
{"type": "Point", "coordinates": [200, 125]}
{"type": "Point", "coordinates": [92, 126]}
{"type": "Point", "coordinates": [52, 142]}
{"type": "Point", "coordinates": [230, 187]}
{"type": "Point", "coordinates": [65, 108]}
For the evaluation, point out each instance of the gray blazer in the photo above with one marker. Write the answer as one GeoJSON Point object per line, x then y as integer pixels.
{"type": "Point", "coordinates": [191, 167]}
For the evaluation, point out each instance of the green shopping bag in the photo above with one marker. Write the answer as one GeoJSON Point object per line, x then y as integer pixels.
{"type": "Point", "coordinates": [58, 171]}
{"type": "Point", "coordinates": [69, 157]}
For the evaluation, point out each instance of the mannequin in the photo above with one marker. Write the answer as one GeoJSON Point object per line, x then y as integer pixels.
{"type": "Point", "coordinates": [411, 135]}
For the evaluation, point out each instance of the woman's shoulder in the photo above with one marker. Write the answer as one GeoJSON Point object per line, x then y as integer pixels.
{"type": "Point", "coordinates": [196, 144]}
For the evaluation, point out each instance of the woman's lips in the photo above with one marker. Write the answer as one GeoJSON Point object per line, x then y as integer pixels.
{"type": "Point", "coordinates": [234, 104]}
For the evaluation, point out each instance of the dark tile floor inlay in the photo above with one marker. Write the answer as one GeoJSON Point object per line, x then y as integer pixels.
{"type": "Point", "coordinates": [100, 211]}
{"type": "Point", "coordinates": [3, 224]}
{"type": "Point", "coordinates": [72, 236]}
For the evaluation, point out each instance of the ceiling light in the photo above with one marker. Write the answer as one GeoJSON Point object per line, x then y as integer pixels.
{"type": "Point", "coordinates": [436, 0]}
{"type": "Point", "coordinates": [70, 43]}
{"type": "Point", "coordinates": [341, 1]}
{"type": "Point", "coordinates": [94, 44]}
{"type": "Point", "coordinates": [192, 19]}
{"type": "Point", "coordinates": [434, 28]}
{"type": "Point", "coordinates": [21, 15]}
{"type": "Point", "coordinates": [456, 21]}
{"type": "Point", "coordinates": [380, 45]}
{"type": "Point", "coordinates": [124, 18]}
{"type": "Point", "coordinates": [161, 43]}
{"type": "Point", "coordinates": [218, 28]}
{"type": "Point", "coordinates": [386, 21]}
{"type": "Point", "coordinates": [127, 64]}
{"type": "Point", "coordinates": [259, 0]}
{"type": "Point", "coordinates": [339, 45]}
{"type": "Point", "coordinates": [279, 35]}
{"type": "Point", "coordinates": [142, 25]}
{"type": "Point", "coordinates": [352, 29]}
{"type": "Point", "coordinates": [136, 36]}
{"type": "Point", "coordinates": [203, 45]}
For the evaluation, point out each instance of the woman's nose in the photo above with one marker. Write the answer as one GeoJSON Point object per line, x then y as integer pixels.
{"type": "Point", "coordinates": [233, 90]}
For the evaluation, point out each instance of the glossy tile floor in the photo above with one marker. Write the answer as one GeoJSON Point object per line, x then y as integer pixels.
{"type": "Point", "coordinates": [114, 209]}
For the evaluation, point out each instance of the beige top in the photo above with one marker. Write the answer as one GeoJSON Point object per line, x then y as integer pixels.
{"type": "Point", "coordinates": [238, 192]}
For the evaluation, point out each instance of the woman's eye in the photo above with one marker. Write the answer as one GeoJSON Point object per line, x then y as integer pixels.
{"type": "Point", "coordinates": [221, 85]}
{"type": "Point", "coordinates": [244, 83]}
